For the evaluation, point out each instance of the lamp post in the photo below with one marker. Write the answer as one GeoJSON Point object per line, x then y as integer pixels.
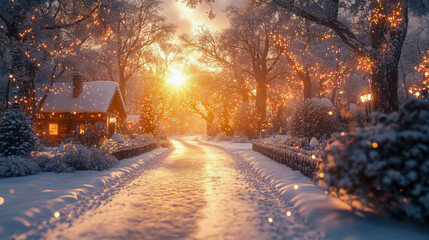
{"type": "Point", "coordinates": [366, 100]}
{"type": "Point", "coordinates": [425, 91]}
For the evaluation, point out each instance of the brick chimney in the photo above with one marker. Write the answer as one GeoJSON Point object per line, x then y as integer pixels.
{"type": "Point", "coordinates": [77, 84]}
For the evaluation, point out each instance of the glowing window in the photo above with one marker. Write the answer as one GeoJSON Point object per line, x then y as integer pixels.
{"type": "Point", "coordinates": [82, 129]}
{"type": "Point", "coordinates": [53, 128]}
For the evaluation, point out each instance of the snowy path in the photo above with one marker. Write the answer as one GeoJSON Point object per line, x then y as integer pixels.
{"type": "Point", "coordinates": [196, 192]}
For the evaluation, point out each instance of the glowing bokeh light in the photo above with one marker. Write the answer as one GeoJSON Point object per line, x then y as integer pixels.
{"type": "Point", "coordinates": [57, 214]}
{"type": "Point", "coordinates": [270, 220]}
{"type": "Point", "coordinates": [1, 200]}
{"type": "Point", "coordinates": [288, 213]}
{"type": "Point", "coordinates": [295, 187]}
{"type": "Point", "coordinates": [12, 191]}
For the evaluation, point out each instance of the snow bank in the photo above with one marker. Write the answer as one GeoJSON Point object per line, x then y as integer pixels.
{"type": "Point", "coordinates": [27, 202]}
{"type": "Point", "coordinates": [332, 216]}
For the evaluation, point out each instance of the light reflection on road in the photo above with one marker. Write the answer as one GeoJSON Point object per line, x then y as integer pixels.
{"type": "Point", "coordinates": [197, 192]}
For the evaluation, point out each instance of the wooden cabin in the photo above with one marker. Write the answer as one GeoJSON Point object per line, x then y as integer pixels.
{"type": "Point", "coordinates": [70, 106]}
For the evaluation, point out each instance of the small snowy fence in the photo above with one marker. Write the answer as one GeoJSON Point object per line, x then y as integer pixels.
{"type": "Point", "coordinates": [297, 159]}
{"type": "Point", "coordinates": [134, 151]}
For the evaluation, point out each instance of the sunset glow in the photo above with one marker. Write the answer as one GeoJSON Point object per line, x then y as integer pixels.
{"type": "Point", "coordinates": [176, 78]}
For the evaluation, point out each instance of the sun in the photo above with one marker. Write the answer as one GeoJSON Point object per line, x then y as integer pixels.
{"type": "Point", "coordinates": [176, 78]}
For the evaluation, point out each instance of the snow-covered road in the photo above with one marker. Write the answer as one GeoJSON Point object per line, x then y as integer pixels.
{"type": "Point", "coordinates": [196, 192]}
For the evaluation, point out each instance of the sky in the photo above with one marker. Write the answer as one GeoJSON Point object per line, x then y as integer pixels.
{"type": "Point", "coordinates": [186, 18]}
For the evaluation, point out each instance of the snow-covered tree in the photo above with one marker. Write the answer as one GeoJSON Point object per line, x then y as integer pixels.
{"type": "Point", "coordinates": [17, 136]}
{"type": "Point", "coordinates": [387, 32]}
{"type": "Point", "coordinates": [147, 117]}
{"type": "Point", "coordinates": [133, 28]}
{"type": "Point", "coordinates": [251, 35]}
{"type": "Point", "coordinates": [33, 31]}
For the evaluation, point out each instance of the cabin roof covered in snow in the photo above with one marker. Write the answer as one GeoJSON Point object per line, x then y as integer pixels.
{"type": "Point", "coordinates": [95, 97]}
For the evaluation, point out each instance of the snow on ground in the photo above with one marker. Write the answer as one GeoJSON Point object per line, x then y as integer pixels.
{"type": "Point", "coordinates": [196, 192]}
{"type": "Point", "coordinates": [330, 215]}
{"type": "Point", "coordinates": [36, 200]}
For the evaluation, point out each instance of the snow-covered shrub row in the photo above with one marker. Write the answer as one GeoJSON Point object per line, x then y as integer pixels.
{"type": "Point", "coordinates": [298, 150]}
{"type": "Point", "coordinates": [313, 119]}
{"type": "Point", "coordinates": [14, 166]}
{"type": "Point", "coordinates": [384, 166]}
{"type": "Point", "coordinates": [71, 157]}
{"type": "Point", "coordinates": [293, 159]}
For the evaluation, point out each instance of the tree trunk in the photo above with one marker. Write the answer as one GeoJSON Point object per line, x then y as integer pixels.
{"type": "Point", "coordinates": [387, 40]}
{"type": "Point", "coordinates": [261, 101]}
{"type": "Point", "coordinates": [277, 122]}
{"type": "Point", "coordinates": [308, 89]}
{"type": "Point", "coordinates": [385, 88]}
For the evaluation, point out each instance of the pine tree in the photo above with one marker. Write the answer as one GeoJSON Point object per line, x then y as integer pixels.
{"type": "Point", "coordinates": [147, 117]}
{"type": "Point", "coordinates": [17, 136]}
{"type": "Point", "coordinates": [224, 122]}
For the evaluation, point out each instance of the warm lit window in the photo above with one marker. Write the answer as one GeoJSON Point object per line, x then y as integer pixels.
{"type": "Point", "coordinates": [82, 129]}
{"type": "Point", "coordinates": [53, 128]}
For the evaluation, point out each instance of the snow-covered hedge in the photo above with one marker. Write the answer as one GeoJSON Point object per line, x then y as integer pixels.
{"type": "Point", "coordinates": [296, 159]}
{"type": "Point", "coordinates": [14, 166]}
{"type": "Point", "coordinates": [384, 166]}
{"type": "Point", "coordinates": [134, 151]}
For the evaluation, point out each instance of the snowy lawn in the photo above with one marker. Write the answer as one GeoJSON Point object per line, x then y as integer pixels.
{"type": "Point", "coordinates": [333, 217]}
{"type": "Point", "coordinates": [27, 202]}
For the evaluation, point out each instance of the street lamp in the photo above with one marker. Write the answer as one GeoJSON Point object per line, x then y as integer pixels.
{"type": "Point", "coordinates": [366, 99]}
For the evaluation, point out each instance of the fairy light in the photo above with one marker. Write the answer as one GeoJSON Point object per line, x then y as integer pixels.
{"type": "Point", "coordinates": [288, 213]}
{"type": "Point", "coordinates": [57, 214]}
{"type": "Point", "coordinates": [295, 187]}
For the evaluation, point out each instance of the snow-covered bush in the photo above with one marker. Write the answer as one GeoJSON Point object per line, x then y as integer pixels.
{"type": "Point", "coordinates": [52, 162]}
{"type": "Point", "coordinates": [222, 137]}
{"type": "Point", "coordinates": [17, 136]}
{"type": "Point", "coordinates": [165, 144]}
{"type": "Point", "coordinates": [240, 139]}
{"type": "Point", "coordinates": [100, 161]}
{"type": "Point", "coordinates": [145, 138]}
{"type": "Point", "coordinates": [71, 157]}
{"type": "Point", "coordinates": [94, 135]}
{"type": "Point", "coordinates": [82, 158]}
{"type": "Point", "coordinates": [14, 166]}
{"type": "Point", "coordinates": [313, 119]}
{"type": "Point", "coordinates": [384, 166]}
